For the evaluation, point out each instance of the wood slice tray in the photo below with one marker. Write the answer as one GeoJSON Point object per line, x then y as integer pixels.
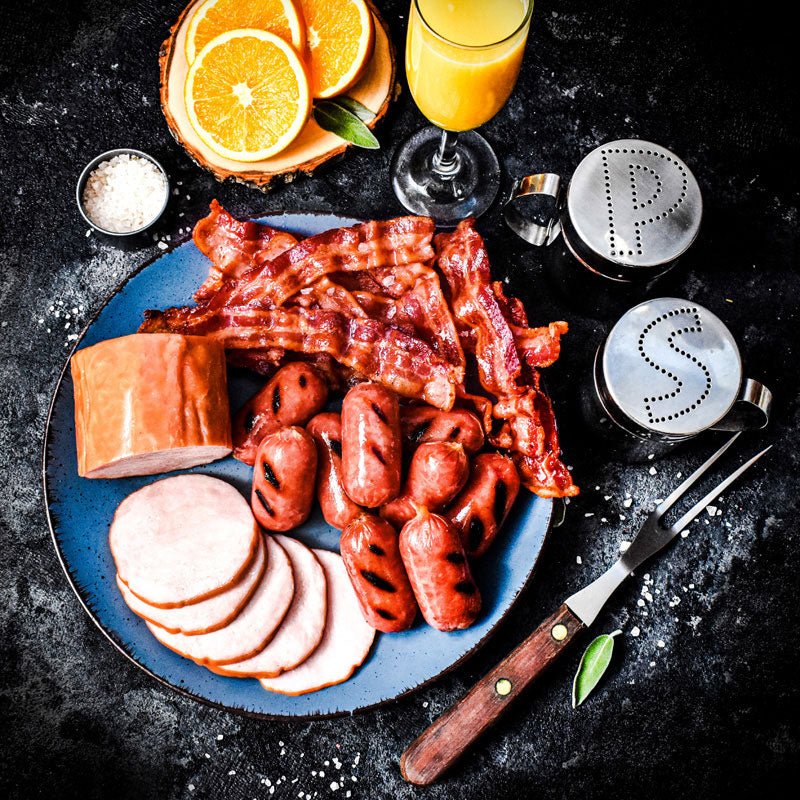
{"type": "Point", "coordinates": [313, 147]}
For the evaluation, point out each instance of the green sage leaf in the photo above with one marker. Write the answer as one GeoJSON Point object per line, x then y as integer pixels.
{"type": "Point", "coordinates": [332, 117]}
{"type": "Point", "coordinates": [354, 107]}
{"type": "Point", "coordinates": [594, 663]}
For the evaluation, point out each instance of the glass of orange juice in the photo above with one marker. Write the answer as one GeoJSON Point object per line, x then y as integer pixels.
{"type": "Point", "coordinates": [462, 61]}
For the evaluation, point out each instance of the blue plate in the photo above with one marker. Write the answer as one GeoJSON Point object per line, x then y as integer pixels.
{"type": "Point", "coordinates": [80, 511]}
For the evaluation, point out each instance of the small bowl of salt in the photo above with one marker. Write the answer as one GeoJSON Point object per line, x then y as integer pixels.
{"type": "Point", "coordinates": [122, 192]}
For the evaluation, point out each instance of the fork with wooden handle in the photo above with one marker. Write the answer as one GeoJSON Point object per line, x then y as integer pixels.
{"type": "Point", "coordinates": [449, 737]}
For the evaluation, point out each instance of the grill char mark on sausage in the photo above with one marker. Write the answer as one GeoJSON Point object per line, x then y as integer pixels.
{"type": "Point", "coordinates": [276, 399]}
{"type": "Point", "coordinates": [377, 581]}
{"type": "Point", "coordinates": [379, 413]}
{"type": "Point", "coordinates": [267, 506]}
{"type": "Point", "coordinates": [270, 477]}
{"type": "Point", "coordinates": [419, 431]}
{"type": "Point", "coordinates": [475, 533]}
{"type": "Point", "coordinates": [377, 453]}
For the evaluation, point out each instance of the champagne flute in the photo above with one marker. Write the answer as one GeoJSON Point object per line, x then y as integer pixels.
{"type": "Point", "coordinates": [462, 61]}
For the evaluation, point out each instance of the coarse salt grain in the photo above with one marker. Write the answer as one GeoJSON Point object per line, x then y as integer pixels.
{"type": "Point", "coordinates": [124, 194]}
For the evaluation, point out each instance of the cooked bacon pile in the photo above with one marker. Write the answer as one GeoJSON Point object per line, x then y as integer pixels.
{"type": "Point", "coordinates": [367, 302]}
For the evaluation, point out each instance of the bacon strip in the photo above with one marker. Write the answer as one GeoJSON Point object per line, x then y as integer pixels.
{"type": "Point", "coordinates": [269, 284]}
{"type": "Point", "coordinates": [538, 347]}
{"type": "Point", "coordinates": [231, 245]}
{"type": "Point", "coordinates": [464, 262]}
{"type": "Point", "coordinates": [412, 298]}
{"type": "Point", "coordinates": [367, 246]}
{"type": "Point", "coordinates": [376, 351]}
{"type": "Point", "coordinates": [528, 427]}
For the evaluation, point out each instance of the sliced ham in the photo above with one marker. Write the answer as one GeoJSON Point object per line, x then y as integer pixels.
{"type": "Point", "coordinates": [302, 627]}
{"type": "Point", "coordinates": [146, 404]}
{"type": "Point", "coordinates": [207, 615]}
{"type": "Point", "coordinates": [252, 628]}
{"type": "Point", "coordinates": [345, 643]}
{"type": "Point", "coordinates": [183, 539]}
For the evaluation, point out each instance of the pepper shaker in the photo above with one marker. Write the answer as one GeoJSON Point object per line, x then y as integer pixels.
{"type": "Point", "coordinates": [631, 209]}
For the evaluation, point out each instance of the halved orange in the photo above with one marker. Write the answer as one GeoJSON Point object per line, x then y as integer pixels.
{"type": "Point", "coordinates": [339, 34]}
{"type": "Point", "coordinates": [214, 17]}
{"type": "Point", "coordinates": [247, 94]}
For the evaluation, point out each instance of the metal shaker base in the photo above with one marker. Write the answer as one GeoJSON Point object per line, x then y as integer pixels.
{"type": "Point", "coordinates": [589, 292]}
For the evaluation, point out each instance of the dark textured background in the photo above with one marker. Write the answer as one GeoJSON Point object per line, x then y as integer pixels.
{"type": "Point", "coordinates": [714, 711]}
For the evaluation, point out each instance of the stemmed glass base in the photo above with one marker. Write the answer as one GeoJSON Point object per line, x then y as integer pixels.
{"type": "Point", "coordinates": [446, 176]}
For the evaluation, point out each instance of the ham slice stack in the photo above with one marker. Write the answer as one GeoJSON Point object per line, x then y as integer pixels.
{"type": "Point", "coordinates": [211, 586]}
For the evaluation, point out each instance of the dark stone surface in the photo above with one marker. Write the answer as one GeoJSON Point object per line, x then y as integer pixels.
{"type": "Point", "coordinates": [714, 711]}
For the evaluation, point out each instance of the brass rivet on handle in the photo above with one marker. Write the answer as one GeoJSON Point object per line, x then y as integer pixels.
{"type": "Point", "coordinates": [559, 632]}
{"type": "Point", "coordinates": [503, 687]}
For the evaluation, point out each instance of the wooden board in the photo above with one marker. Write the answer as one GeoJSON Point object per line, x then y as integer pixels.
{"type": "Point", "coordinates": [313, 147]}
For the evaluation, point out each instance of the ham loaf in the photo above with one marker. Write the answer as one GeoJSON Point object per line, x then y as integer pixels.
{"type": "Point", "coordinates": [150, 403]}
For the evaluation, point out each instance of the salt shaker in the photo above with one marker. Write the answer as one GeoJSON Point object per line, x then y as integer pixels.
{"type": "Point", "coordinates": [669, 370]}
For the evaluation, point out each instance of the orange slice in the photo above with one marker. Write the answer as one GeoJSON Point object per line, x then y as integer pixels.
{"type": "Point", "coordinates": [247, 94]}
{"type": "Point", "coordinates": [339, 35]}
{"type": "Point", "coordinates": [214, 17]}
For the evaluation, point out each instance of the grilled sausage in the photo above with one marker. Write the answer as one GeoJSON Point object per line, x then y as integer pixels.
{"type": "Point", "coordinates": [337, 508]}
{"type": "Point", "coordinates": [371, 444]}
{"type": "Point", "coordinates": [292, 396]}
{"type": "Point", "coordinates": [436, 474]}
{"type": "Point", "coordinates": [369, 547]}
{"type": "Point", "coordinates": [437, 568]}
{"type": "Point", "coordinates": [481, 508]}
{"type": "Point", "coordinates": [421, 424]}
{"type": "Point", "coordinates": [283, 479]}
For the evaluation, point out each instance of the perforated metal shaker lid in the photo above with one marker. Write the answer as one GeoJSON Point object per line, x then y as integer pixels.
{"type": "Point", "coordinates": [671, 367]}
{"type": "Point", "coordinates": [633, 207]}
